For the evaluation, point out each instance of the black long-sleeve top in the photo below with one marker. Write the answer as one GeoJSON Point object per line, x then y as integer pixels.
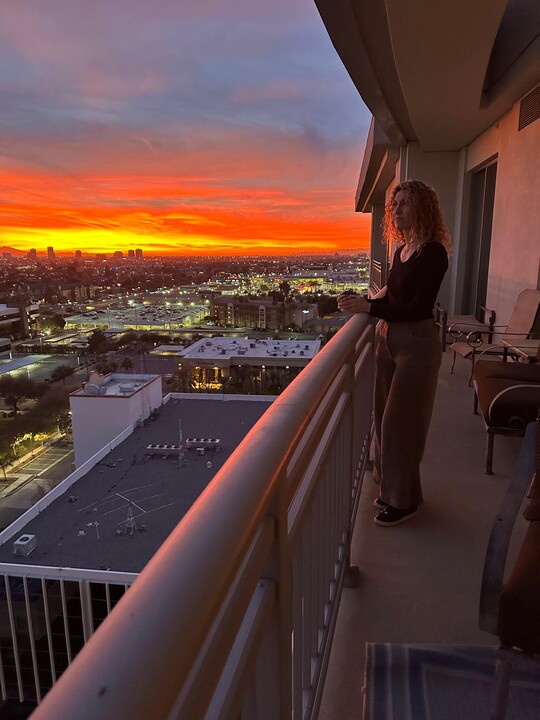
{"type": "Point", "coordinates": [413, 286]}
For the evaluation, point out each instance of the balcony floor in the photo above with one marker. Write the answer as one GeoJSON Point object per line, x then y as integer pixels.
{"type": "Point", "coordinates": [420, 581]}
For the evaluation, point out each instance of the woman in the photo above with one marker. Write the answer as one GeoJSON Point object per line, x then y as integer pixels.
{"type": "Point", "coordinates": [408, 350]}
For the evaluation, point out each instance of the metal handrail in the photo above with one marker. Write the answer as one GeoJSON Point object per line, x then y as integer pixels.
{"type": "Point", "coordinates": [231, 569]}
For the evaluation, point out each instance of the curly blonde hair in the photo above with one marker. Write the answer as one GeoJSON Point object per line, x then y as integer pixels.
{"type": "Point", "coordinates": [428, 224]}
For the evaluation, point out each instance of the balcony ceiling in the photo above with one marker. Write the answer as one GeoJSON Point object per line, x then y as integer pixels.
{"type": "Point", "coordinates": [421, 67]}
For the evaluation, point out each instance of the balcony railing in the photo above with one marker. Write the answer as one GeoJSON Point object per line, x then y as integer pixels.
{"type": "Point", "coordinates": [234, 615]}
{"type": "Point", "coordinates": [376, 275]}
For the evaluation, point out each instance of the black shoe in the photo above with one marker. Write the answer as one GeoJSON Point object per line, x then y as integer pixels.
{"type": "Point", "coordinates": [380, 503]}
{"type": "Point", "coordinates": [395, 516]}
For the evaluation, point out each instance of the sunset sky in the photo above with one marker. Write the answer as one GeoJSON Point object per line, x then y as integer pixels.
{"type": "Point", "coordinates": [180, 127]}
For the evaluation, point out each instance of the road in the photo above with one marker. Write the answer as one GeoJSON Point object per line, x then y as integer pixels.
{"type": "Point", "coordinates": [43, 474]}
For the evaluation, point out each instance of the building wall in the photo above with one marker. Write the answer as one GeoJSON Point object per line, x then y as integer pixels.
{"type": "Point", "coordinates": [440, 171]}
{"type": "Point", "coordinates": [515, 243]}
{"type": "Point", "coordinates": [248, 314]}
{"type": "Point", "coordinates": [97, 420]}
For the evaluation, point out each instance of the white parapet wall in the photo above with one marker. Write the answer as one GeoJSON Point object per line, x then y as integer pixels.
{"type": "Point", "coordinates": [108, 405]}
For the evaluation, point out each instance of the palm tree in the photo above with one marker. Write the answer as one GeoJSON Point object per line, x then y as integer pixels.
{"type": "Point", "coordinates": [127, 364]}
{"type": "Point", "coordinates": [61, 373]}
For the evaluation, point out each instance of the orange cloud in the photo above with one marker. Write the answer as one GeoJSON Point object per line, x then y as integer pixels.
{"type": "Point", "coordinates": [267, 193]}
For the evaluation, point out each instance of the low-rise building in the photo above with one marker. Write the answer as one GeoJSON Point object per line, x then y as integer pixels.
{"type": "Point", "coordinates": [210, 362]}
{"type": "Point", "coordinates": [265, 313]}
{"type": "Point", "coordinates": [108, 405]}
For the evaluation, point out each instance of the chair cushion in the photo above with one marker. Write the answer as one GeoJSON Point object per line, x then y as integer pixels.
{"type": "Point", "coordinates": [525, 372]}
{"type": "Point", "coordinates": [519, 616]}
{"type": "Point", "coordinates": [512, 410]}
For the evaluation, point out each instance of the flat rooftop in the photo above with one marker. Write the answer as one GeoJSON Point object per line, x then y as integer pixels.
{"type": "Point", "coordinates": [114, 385]}
{"type": "Point", "coordinates": [118, 514]}
{"type": "Point", "coordinates": [246, 349]}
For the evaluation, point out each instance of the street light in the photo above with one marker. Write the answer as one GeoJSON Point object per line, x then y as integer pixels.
{"type": "Point", "coordinates": [304, 313]}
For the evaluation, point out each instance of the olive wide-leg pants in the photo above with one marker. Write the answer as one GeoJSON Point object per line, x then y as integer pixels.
{"type": "Point", "coordinates": [408, 357]}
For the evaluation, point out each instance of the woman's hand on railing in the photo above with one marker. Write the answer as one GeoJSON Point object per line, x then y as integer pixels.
{"type": "Point", "coordinates": [350, 303]}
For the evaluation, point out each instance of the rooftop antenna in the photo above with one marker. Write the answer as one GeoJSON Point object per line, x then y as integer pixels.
{"type": "Point", "coordinates": [131, 526]}
{"type": "Point", "coordinates": [182, 459]}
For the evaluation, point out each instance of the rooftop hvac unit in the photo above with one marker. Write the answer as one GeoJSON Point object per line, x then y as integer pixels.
{"type": "Point", "coordinates": [164, 449]}
{"type": "Point", "coordinates": [24, 545]}
{"type": "Point", "coordinates": [193, 442]}
{"type": "Point", "coordinates": [200, 451]}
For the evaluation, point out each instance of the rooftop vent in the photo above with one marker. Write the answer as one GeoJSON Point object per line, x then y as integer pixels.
{"type": "Point", "coordinates": [24, 545]}
{"type": "Point", "coordinates": [529, 108]}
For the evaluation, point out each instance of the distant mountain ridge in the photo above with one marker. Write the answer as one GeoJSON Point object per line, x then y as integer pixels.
{"type": "Point", "coordinates": [13, 251]}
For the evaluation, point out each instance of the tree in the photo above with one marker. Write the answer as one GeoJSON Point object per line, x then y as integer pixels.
{"type": "Point", "coordinates": [53, 322]}
{"type": "Point", "coordinates": [99, 343]}
{"type": "Point", "coordinates": [15, 389]}
{"type": "Point", "coordinates": [127, 338]}
{"type": "Point", "coordinates": [181, 381]}
{"type": "Point", "coordinates": [61, 373]}
{"type": "Point", "coordinates": [49, 413]}
{"type": "Point", "coordinates": [105, 367]}
{"type": "Point", "coordinates": [127, 364]}
{"type": "Point", "coordinates": [328, 335]}
{"type": "Point", "coordinates": [285, 288]}
{"type": "Point", "coordinates": [6, 458]}
{"type": "Point", "coordinates": [6, 451]}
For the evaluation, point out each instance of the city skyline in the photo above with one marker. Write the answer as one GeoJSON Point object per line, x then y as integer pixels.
{"type": "Point", "coordinates": [194, 130]}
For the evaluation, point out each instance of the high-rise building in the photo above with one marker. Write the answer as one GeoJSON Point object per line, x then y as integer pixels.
{"type": "Point", "coordinates": [51, 256]}
{"type": "Point", "coordinates": [131, 253]}
{"type": "Point", "coordinates": [78, 255]}
{"type": "Point", "coordinates": [118, 255]}
{"type": "Point", "coordinates": [32, 255]}
{"type": "Point", "coordinates": [138, 254]}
